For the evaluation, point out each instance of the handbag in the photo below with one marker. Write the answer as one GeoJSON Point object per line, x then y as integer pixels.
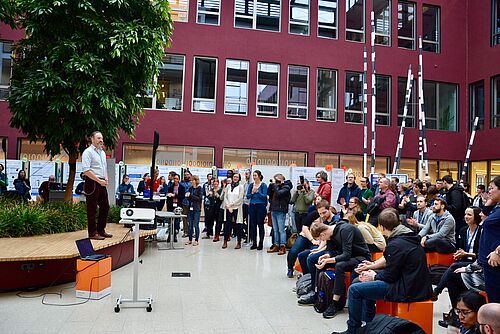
{"type": "Point", "coordinates": [269, 219]}
{"type": "Point", "coordinates": [291, 240]}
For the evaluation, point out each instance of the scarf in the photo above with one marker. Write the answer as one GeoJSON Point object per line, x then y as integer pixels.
{"type": "Point", "coordinates": [234, 185]}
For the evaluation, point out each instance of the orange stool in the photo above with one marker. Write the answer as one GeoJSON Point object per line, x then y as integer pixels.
{"type": "Point", "coordinates": [347, 281]}
{"type": "Point", "coordinates": [93, 278]}
{"type": "Point", "coordinates": [297, 266]}
{"type": "Point", "coordinates": [377, 255]}
{"type": "Point", "coordinates": [420, 313]}
{"type": "Point", "coordinates": [482, 293]}
{"type": "Point", "coordinates": [438, 258]}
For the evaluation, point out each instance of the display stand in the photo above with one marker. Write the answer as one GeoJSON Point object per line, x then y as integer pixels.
{"type": "Point", "coordinates": [137, 217]}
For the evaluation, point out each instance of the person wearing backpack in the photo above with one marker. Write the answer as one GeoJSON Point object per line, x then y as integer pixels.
{"type": "Point", "coordinates": [400, 275]}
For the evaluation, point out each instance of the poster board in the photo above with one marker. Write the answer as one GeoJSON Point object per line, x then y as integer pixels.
{"type": "Point", "coordinates": [268, 172]}
{"type": "Point", "coordinates": [40, 170]}
{"type": "Point", "coordinates": [309, 174]}
{"type": "Point", "coordinates": [338, 180]}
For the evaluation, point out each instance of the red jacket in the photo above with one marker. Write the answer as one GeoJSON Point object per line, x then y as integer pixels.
{"type": "Point", "coordinates": [325, 191]}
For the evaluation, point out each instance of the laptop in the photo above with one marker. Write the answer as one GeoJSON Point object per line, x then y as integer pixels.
{"type": "Point", "coordinates": [87, 251]}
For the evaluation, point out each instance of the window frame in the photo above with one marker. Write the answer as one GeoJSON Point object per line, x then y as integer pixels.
{"type": "Point", "coordinates": [218, 14]}
{"type": "Point", "coordinates": [336, 108]}
{"type": "Point", "coordinates": [494, 112]}
{"type": "Point", "coordinates": [360, 112]}
{"type": "Point", "coordinates": [288, 105]}
{"type": "Point", "coordinates": [247, 90]}
{"type": "Point", "coordinates": [473, 105]}
{"type": "Point", "coordinates": [438, 113]}
{"type": "Point", "coordinates": [389, 98]}
{"type": "Point", "coordinates": [363, 32]}
{"type": "Point", "coordinates": [336, 28]}
{"type": "Point", "coordinates": [254, 17]}
{"type": "Point", "coordinates": [438, 29]}
{"type": "Point", "coordinates": [300, 24]}
{"type": "Point", "coordinates": [495, 36]}
{"type": "Point", "coordinates": [193, 99]}
{"type": "Point", "coordinates": [257, 103]}
{"type": "Point", "coordinates": [5, 56]}
{"type": "Point", "coordinates": [389, 35]}
{"type": "Point", "coordinates": [414, 25]}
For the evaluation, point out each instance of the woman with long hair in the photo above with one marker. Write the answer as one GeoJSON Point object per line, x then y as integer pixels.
{"type": "Point", "coordinates": [194, 195]}
{"type": "Point", "coordinates": [212, 207]}
{"type": "Point", "coordinates": [354, 207]}
{"type": "Point", "coordinates": [257, 194]}
{"type": "Point", "coordinates": [233, 198]}
{"type": "Point", "coordinates": [22, 185]}
{"type": "Point", "coordinates": [142, 183]}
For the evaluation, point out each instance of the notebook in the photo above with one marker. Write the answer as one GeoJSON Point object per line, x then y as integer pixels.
{"type": "Point", "coordinates": [87, 251]}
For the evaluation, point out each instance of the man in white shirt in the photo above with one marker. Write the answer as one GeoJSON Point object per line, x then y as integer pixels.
{"type": "Point", "coordinates": [96, 179]}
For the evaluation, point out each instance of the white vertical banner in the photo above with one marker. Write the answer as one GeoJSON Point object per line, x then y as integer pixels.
{"type": "Point", "coordinates": [338, 180]}
{"type": "Point", "coordinates": [12, 169]}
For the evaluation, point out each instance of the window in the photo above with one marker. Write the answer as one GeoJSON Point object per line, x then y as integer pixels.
{"type": "Point", "coordinates": [170, 83]}
{"type": "Point", "coordinates": [257, 14]}
{"type": "Point", "coordinates": [409, 167]}
{"type": "Point", "coordinates": [327, 18]}
{"type": "Point", "coordinates": [382, 13]}
{"type": "Point", "coordinates": [406, 25]}
{"type": "Point", "coordinates": [441, 106]}
{"type": "Point", "coordinates": [495, 102]}
{"type": "Point", "coordinates": [326, 107]}
{"type": "Point", "coordinates": [323, 159]}
{"type": "Point", "coordinates": [355, 164]}
{"type": "Point", "coordinates": [412, 105]}
{"type": "Point", "coordinates": [267, 89]}
{"type": "Point", "coordinates": [236, 99]}
{"type": "Point", "coordinates": [383, 100]}
{"type": "Point", "coordinates": [355, 20]}
{"type": "Point", "coordinates": [353, 98]}
{"type": "Point", "coordinates": [298, 84]}
{"type": "Point", "coordinates": [299, 17]}
{"type": "Point", "coordinates": [476, 104]}
{"type": "Point", "coordinates": [205, 78]}
{"type": "Point", "coordinates": [5, 68]}
{"type": "Point", "coordinates": [431, 28]}
{"type": "Point", "coordinates": [179, 10]}
{"type": "Point", "coordinates": [208, 12]}
{"type": "Point", "coordinates": [495, 22]}
{"type": "Point", "coordinates": [237, 158]}
{"type": "Point", "coordinates": [168, 155]}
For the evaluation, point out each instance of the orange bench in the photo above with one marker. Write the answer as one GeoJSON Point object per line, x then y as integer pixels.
{"type": "Point", "coordinates": [297, 266]}
{"type": "Point", "coordinates": [377, 255]}
{"type": "Point", "coordinates": [482, 293]}
{"type": "Point", "coordinates": [420, 313]}
{"type": "Point", "coordinates": [438, 258]}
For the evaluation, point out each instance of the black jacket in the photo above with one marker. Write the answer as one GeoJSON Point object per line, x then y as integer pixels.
{"type": "Point", "coordinates": [406, 270]}
{"type": "Point", "coordinates": [195, 198]}
{"type": "Point", "coordinates": [348, 242]}
{"type": "Point", "coordinates": [456, 203]}
{"type": "Point", "coordinates": [462, 240]}
{"type": "Point", "coordinates": [181, 193]}
{"type": "Point", "coordinates": [279, 196]}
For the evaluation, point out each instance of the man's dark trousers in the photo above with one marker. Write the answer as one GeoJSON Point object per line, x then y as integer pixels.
{"type": "Point", "coordinates": [96, 195]}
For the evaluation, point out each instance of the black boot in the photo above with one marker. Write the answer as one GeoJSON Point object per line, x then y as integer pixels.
{"type": "Point", "coordinates": [260, 246]}
{"type": "Point", "coordinates": [254, 244]}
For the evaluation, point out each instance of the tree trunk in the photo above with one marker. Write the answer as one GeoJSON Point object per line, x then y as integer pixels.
{"type": "Point", "coordinates": [68, 195]}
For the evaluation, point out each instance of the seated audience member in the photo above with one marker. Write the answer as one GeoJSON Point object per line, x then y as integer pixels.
{"type": "Point", "coordinates": [350, 250]}
{"type": "Point", "coordinates": [22, 185]}
{"type": "Point", "coordinates": [125, 186]}
{"type": "Point", "coordinates": [386, 197]}
{"type": "Point", "coordinates": [142, 184]}
{"type": "Point", "coordinates": [79, 187]}
{"type": "Point", "coordinates": [400, 275]}
{"type": "Point", "coordinates": [353, 206]}
{"type": "Point", "coordinates": [468, 246]}
{"type": "Point", "coordinates": [46, 186]}
{"type": "Point", "coordinates": [465, 312]}
{"type": "Point", "coordinates": [420, 216]}
{"type": "Point", "coordinates": [438, 234]}
{"type": "Point", "coordinates": [488, 318]}
{"type": "Point", "coordinates": [373, 237]}
{"type": "Point", "coordinates": [366, 192]}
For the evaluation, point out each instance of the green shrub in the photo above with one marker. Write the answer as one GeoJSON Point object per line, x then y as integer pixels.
{"type": "Point", "coordinates": [18, 219]}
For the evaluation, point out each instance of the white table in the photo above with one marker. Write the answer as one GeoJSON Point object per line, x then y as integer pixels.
{"type": "Point", "coordinates": [170, 216]}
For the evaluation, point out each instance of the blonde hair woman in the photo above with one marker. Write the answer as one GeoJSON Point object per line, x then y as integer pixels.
{"type": "Point", "coordinates": [373, 237]}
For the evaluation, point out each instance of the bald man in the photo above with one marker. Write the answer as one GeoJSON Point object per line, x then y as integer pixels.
{"type": "Point", "coordinates": [488, 318]}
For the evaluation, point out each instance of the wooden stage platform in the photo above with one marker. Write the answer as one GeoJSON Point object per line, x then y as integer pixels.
{"type": "Point", "coordinates": [46, 260]}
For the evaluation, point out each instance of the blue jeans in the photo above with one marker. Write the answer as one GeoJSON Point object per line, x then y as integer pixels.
{"type": "Point", "coordinates": [300, 244]}
{"type": "Point", "coordinates": [308, 261]}
{"type": "Point", "coordinates": [361, 301]}
{"type": "Point", "coordinates": [279, 228]}
{"type": "Point", "coordinates": [194, 222]}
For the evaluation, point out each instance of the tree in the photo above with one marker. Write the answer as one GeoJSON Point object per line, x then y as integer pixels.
{"type": "Point", "coordinates": [85, 65]}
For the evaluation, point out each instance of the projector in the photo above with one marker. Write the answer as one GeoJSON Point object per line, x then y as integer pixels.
{"type": "Point", "coordinates": [137, 214]}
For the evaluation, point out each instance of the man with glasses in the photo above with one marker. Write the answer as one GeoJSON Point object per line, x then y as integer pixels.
{"type": "Point", "coordinates": [488, 318]}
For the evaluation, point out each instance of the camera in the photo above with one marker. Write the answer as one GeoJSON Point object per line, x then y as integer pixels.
{"type": "Point", "coordinates": [300, 187]}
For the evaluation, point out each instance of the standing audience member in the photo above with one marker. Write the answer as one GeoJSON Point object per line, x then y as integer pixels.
{"type": "Point", "coordinates": [142, 184]}
{"type": "Point", "coordinates": [221, 217]}
{"type": "Point", "coordinates": [438, 234]}
{"type": "Point", "coordinates": [481, 196]}
{"type": "Point", "coordinates": [195, 196]}
{"type": "Point", "coordinates": [22, 185]}
{"type": "Point", "coordinates": [302, 200]}
{"type": "Point", "coordinates": [186, 183]}
{"type": "Point", "coordinates": [279, 197]}
{"type": "Point", "coordinates": [400, 275]}
{"type": "Point", "coordinates": [175, 195]}
{"type": "Point", "coordinates": [455, 199]}
{"type": "Point", "coordinates": [213, 201]}
{"type": "Point", "coordinates": [246, 202]}
{"type": "Point", "coordinates": [349, 190]}
{"type": "Point", "coordinates": [257, 197]}
{"type": "Point", "coordinates": [233, 201]}
{"type": "Point", "coordinates": [207, 187]}
{"type": "Point", "coordinates": [325, 187]}
{"type": "Point", "coordinates": [489, 246]}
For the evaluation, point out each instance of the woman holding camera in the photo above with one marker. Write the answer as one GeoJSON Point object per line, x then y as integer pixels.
{"type": "Point", "coordinates": [302, 200]}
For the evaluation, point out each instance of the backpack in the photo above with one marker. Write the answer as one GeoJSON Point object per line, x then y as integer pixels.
{"type": "Point", "coordinates": [385, 324]}
{"type": "Point", "coordinates": [324, 290]}
{"type": "Point", "coordinates": [303, 285]}
{"type": "Point", "coordinates": [436, 271]}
